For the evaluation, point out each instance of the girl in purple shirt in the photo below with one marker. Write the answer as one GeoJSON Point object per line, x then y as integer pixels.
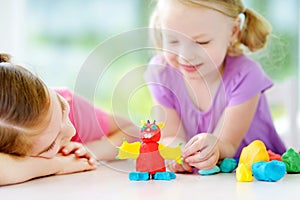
{"type": "Point", "coordinates": [210, 95]}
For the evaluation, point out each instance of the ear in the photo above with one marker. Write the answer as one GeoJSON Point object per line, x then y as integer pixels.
{"type": "Point", "coordinates": [235, 30]}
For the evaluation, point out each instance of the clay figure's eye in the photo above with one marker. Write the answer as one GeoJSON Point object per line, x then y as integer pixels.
{"type": "Point", "coordinates": [143, 128]}
{"type": "Point", "coordinates": [153, 127]}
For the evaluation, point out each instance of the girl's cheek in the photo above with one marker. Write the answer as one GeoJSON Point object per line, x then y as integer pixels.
{"type": "Point", "coordinates": [171, 59]}
{"type": "Point", "coordinates": [51, 153]}
{"type": "Point", "coordinates": [68, 132]}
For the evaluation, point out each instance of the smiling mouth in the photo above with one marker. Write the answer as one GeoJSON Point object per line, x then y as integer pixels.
{"type": "Point", "coordinates": [190, 68]}
{"type": "Point", "coordinates": [148, 135]}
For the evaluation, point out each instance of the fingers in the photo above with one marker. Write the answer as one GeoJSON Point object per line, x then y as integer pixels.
{"type": "Point", "coordinates": [70, 163]}
{"type": "Point", "coordinates": [195, 147]}
{"type": "Point", "coordinates": [85, 164]}
{"type": "Point", "coordinates": [187, 167]}
{"type": "Point", "coordinates": [200, 155]}
{"type": "Point", "coordinates": [175, 167]}
{"type": "Point", "coordinates": [202, 151]}
{"type": "Point", "coordinates": [79, 151]}
{"type": "Point", "coordinates": [71, 148]}
{"type": "Point", "coordinates": [196, 144]}
{"type": "Point", "coordinates": [191, 141]}
{"type": "Point", "coordinates": [90, 165]}
{"type": "Point", "coordinates": [82, 152]}
{"type": "Point", "coordinates": [197, 161]}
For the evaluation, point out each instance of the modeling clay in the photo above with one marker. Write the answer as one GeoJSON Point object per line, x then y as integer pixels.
{"type": "Point", "coordinates": [150, 154]}
{"type": "Point", "coordinates": [292, 161]}
{"type": "Point", "coordinates": [211, 171]}
{"type": "Point", "coordinates": [268, 171]}
{"type": "Point", "coordinates": [274, 156]}
{"type": "Point", "coordinates": [243, 173]}
{"type": "Point", "coordinates": [228, 165]}
{"type": "Point", "coordinates": [256, 151]}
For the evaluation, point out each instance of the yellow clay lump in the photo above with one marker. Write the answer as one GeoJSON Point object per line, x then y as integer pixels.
{"type": "Point", "coordinates": [254, 152]}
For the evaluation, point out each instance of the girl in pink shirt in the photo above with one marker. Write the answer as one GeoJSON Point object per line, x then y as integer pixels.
{"type": "Point", "coordinates": [42, 130]}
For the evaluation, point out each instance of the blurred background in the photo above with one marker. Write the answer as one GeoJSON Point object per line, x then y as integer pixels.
{"type": "Point", "coordinates": [55, 38]}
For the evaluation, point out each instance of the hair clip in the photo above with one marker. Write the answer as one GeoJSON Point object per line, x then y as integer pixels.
{"type": "Point", "coordinates": [242, 18]}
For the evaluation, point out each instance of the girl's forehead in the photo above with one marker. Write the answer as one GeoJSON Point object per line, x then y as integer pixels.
{"type": "Point", "coordinates": [184, 7]}
{"type": "Point", "coordinates": [193, 21]}
{"type": "Point", "coordinates": [190, 4]}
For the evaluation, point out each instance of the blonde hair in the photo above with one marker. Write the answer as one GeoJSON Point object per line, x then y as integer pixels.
{"type": "Point", "coordinates": [24, 104]}
{"type": "Point", "coordinates": [253, 34]}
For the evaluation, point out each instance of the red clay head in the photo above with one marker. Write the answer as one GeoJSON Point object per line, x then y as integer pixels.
{"type": "Point", "coordinates": [150, 132]}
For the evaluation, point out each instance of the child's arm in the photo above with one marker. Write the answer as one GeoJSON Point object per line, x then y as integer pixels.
{"type": "Point", "coordinates": [119, 128]}
{"type": "Point", "coordinates": [233, 126]}
{"type": "Point", "coordinates": [203, 151]}
{"type": "Point", "coordinates": [173, 133]}
{"type": "Point", "coordinates": [15, 169]}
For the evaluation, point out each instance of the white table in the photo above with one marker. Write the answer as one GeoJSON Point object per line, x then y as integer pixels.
{"type": "Point", "coordinates": [110, 181]}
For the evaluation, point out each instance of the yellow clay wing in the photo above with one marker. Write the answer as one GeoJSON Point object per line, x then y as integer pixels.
{"type": "Point", "coordinates": [129, 150]}
{"type": "Point", "coordinates": [171, 153]}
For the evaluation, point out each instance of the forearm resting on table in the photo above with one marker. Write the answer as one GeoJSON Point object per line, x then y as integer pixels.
{"type": "Point", "coordinates": [106, 147]}
{"type": "Point", "coordinates": [14, 169]}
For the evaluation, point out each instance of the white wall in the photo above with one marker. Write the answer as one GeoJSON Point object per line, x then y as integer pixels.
{"type": "Point", "coordinates": [12, 26]}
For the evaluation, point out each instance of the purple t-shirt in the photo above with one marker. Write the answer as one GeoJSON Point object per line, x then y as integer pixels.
{"type": "Point", "coordinates": [242, 79]}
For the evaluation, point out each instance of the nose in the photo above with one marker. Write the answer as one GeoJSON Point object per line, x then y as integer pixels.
{"type": "Point", "coordinates": [190, 53]}
{"type": "Point", "coordinates": [71, 131]}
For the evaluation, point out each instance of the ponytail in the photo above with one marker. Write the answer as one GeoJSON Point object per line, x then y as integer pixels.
{"type": "Point", "coordinates": [255, 31]}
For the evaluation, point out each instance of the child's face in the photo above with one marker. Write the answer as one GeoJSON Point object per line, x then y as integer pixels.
{"type": "Point", "coordinates": [197, 38]}
{"type": "Point", "coordinates": [59, 130]}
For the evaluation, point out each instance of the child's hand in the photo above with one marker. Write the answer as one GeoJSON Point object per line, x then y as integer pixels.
{"type": "Point", "coordinates": [67, 164]}
{"type": "Point", "coordinates": [177, 168]}
{"type": "Point", "coordinates": [202, 151]}
{"type": "Point", "coordinates": [79, 151]}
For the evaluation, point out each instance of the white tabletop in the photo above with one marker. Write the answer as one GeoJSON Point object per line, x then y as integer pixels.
{"type": "Point", "coordinates": [110, 181]}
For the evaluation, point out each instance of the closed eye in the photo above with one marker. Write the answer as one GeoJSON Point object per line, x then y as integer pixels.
{"type": "Point", "coordinates": [203, 43]}
{"type": "Point", "coordinates": [50, 147]}
{"type": "Point", "coordinates": [173, 42]}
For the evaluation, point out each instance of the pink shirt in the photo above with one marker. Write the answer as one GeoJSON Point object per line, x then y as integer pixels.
{"type": "Point", "coordinates": [91, 123]}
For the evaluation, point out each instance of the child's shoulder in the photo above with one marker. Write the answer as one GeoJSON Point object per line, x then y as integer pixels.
{"type": "Point", "coordinates": [242, 68]}
{"type": "Point", "coordinates": [241, 61]}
